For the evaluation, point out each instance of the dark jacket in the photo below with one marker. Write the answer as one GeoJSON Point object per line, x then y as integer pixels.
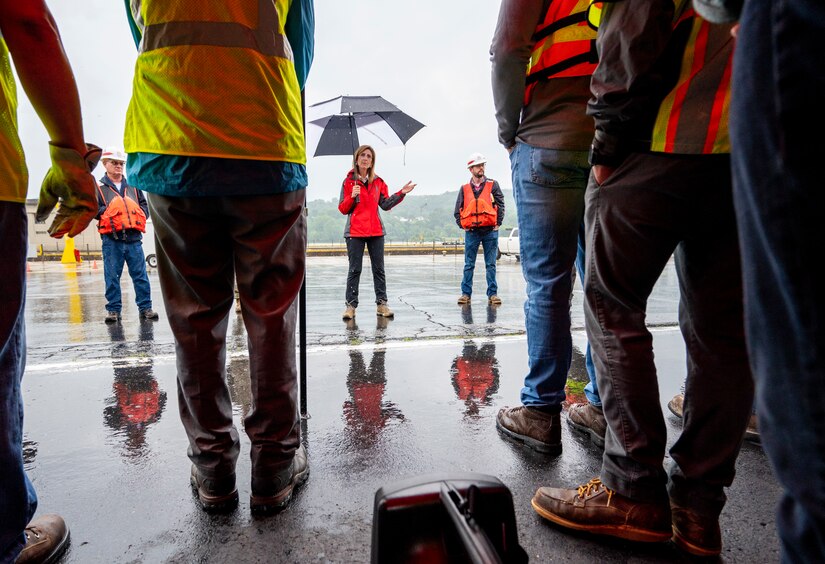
{"type": "Point", "coordinates": [498, 197]}
{"type": "Point", "coordinates": [128, 235]}
{"type": "Point", "coordinates": [363, 219]}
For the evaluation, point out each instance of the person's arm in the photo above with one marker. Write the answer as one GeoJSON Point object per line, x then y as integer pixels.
{"type": "Point", "coordinates": [509, 53]}
{"type": "Point", "coordinates": [627, 83]}
{"type": "Point", "coordinates": [459, 203]}
{"type": "Point", "coordinates": [34, 43]}
{"type": "Point", "coordinates": [101, 204]}
{"type": "Point", "coordinates": [300, 31]}
{"type": "Point", "coordinates": [142, 202]}
{"type": "Point", "coordinates": [346, 203]}
{"type": "Point", "coordinates": [498, 197]}
{"type": "Point", "coordinates": [386, 201]}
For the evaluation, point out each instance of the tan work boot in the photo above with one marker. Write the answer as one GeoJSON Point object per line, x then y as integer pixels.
{"type": "Point", "coordinates": [494, 300]}
{"type": "Point", "coordinates": [349, 313]}
{"type": "Point", "coordinates": [597, 509]}
{"type": "Point", "coordinates": [47, 537]}
{"type": "Point", "coordinates": [384, 311]}
{"type": "Point", "coordinates": [536, 429]}
{"type": "Point", "coordinates": [587, 418]}
{"type": "Point", "coordinates": [464, 299]}
{"type": "Point", "coordinates": [677, 407]}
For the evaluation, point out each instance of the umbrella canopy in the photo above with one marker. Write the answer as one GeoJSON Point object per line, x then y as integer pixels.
{"type": "Point", "coordinates": [341, 124]}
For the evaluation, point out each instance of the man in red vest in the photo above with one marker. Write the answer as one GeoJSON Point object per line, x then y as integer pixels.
{"type": "Point", "coordinates": [479, 211]}
{"type": "Point", "coordinates": [661, 187]}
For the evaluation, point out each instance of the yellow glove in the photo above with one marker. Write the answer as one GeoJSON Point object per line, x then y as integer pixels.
{"type": "Point", "coordinates": [69, 181]}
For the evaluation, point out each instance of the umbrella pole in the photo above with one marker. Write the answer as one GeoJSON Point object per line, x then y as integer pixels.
{"type": "Point", "coordinates": [302, 305]}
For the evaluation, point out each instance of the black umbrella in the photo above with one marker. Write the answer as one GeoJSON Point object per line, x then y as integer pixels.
{"type": "Point", "coordinates": [343, 123]}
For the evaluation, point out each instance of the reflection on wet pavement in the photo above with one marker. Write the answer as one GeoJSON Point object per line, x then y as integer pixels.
{"type": "Point", "coordinates": [366, 412]}
{"type": "Point", "coordinates": [475, 375]}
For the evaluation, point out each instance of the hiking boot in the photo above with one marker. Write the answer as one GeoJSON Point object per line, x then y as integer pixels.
{"type": "Point", "coordinates": [272, 493]}
{"type": "Point", "coordinates": [148, 314]}
{"type": "Point", "coordinates": [349, 313]}
{"type": "Point", "coordinates": [112, 317]}
{"type": "Point", "coordinates": [597, 509]}
{"type": "Point", "coordinates": [464, 299]}
{"type": "Point", "coordinates": [694, 533]}
{"type": "Point", "coordinates": [47, 538]}
{"type": "Point", "coordinates": [384, 311]}
{"type": "Point", "coordinates": [589, 419]}
{"type": "Point", "coordinates": [677, 407]}
{"type": "Point", "coordinates": [494, 300]}
{"type": "Point", "coordinates": [536, 429]}
{"type": "Point", "coordinates": [215, 494]}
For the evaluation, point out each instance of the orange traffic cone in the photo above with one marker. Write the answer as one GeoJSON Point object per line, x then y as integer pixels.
{"type": "Point", "coordinates": [94, 263]}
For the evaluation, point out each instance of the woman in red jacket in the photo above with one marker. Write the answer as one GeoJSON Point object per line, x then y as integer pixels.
{"type": "Point", "coordinates": [361, 194]}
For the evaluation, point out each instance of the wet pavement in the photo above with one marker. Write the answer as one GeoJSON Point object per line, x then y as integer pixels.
{"type": "Point", "coordinates": [388, 399]}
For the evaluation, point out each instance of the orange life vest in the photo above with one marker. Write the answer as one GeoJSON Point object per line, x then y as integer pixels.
{"type": "Point", "coordinates": [122, 212]}
{"type": "Point", "coordinates": [478, 211]}
{"type": "Point", "coordinates": [565, 42]}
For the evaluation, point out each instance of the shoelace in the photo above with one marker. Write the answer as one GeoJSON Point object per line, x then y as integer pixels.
{"type": "Point", "coordinates": [593, 486]}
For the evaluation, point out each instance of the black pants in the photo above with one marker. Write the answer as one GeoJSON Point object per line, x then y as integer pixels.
{"type": "Point", "coordinates": [355, 254]}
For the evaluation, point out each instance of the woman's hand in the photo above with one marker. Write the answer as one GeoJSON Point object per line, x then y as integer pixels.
{"type": "Point", "coordinates": [408, 187]}
{"type": "Point", "coordinates": [356, 190]}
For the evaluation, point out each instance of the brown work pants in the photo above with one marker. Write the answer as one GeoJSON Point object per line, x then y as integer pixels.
{"type": "Point", "coordinates": [202, 244]}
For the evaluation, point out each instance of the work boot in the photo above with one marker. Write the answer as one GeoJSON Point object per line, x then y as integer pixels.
{"type": "Point", "coordinates": [215, 494]}
{"type": "Point", "coordinates": [464, 299]}
{"type": "Point", "coordinates": [677, 407]}
{"type": "Point", "coordinates": [597, 509]}
{"type": "Point", "coordinates": [536, 429]}
{"type": "Point", "coordinates": [384, 311]}
{"type": "Point", "coordinates": [47, 538]}
{"type": "Point", "coordinates": [112, 317]}
{"type": "Point", "coordinates": [148, 314]}
{"type": "Point", "coordinates": [494, 300]}
{"type": "Point", "coordinates": [589, 419]}
{"type": "Point", "coordinates": [272, 493]}
{"type": "Point", "coordinates": [696, 534]}
{"type": "Point", "coordinates": [349, 313]}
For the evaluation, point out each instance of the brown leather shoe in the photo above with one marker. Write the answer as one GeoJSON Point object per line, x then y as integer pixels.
{"type": "Point", "coordinates": [464, 299]}
{"type": "Point", "coordinates": [597, 509]}
{"type": "Point", "coordinates": [273, 492]}
{"type": "Point", "coordinates": [694, 533]}
{"type": "Point", "coordinates": [47, 538]}
{"type": "Point", "coordinates": [214, 494]}
{"type": "Point", "coordinates": [349, 313]}
{"type": "Point", "coordinates": [589, 419]}
{"type": "Point", "coordinates": [494, 300]}
{"type": "Point", "coordinates": [384, 311]}
{"type": "Point", "coordinates": [536, 429]}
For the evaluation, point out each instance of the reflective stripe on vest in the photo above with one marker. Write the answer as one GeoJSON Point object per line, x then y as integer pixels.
{"type": "Point", "coordinates": [565, 42]}
{"type": "Point", "coordinates": [12, 163]}
{"type": "Point", "coordinates": [706, 63]}
{"type": "Point", "coordinates": [122, 212]}
{"type": "Point", "coordinates": [478, 211]}
{"type": "Point", "coordinates": [215, 79]}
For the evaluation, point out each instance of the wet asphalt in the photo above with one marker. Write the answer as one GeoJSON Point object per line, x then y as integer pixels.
{"type": "Point", "coordinates": [387, 400]}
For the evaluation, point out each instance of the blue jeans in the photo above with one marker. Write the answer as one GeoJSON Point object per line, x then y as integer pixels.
{"type": "Point", "coordinates": [548, 187]}
{"type": "Point", "coordinates": [17, 498]}
{"type": "Point", "coordinates": [115, 255]}
{"type": "Point", "coordinates": [779, 201]}
{"type": "Point", "coordinates": [472, 239]}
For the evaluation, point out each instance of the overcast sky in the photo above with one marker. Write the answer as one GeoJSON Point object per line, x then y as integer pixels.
{"type": "Point", "coordinates": [430, 58]}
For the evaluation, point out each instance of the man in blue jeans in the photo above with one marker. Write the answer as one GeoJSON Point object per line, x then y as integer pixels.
{"type": "Point", "coordinates": [777, 190]}
{"type": "Point", "coordinates": [543, 125]}
{"type": "Point", "coordinates": [122, 217]}
{"type": "Point", "coordinates": [479, 211]}
{"type": "Point", "coordinates": [29, 35]}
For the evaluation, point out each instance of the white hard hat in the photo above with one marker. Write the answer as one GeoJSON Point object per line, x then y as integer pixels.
{"type": "Point", "coordinates": [113, 154]}
{"type": "Point", "coordinates": [476, 159]}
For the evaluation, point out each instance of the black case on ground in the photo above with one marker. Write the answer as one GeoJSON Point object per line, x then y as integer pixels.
{"type": "Point", "coordinates": [455, 517]}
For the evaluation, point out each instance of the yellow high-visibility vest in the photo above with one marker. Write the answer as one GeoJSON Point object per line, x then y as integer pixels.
{"type": "Point", "coordinates": [215, 79]}
{"type": "Point", "coordinates": [13, 169]}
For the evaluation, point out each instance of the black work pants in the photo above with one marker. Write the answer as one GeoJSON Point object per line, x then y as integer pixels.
{"type": "Point", "coordinates": [355, 254]}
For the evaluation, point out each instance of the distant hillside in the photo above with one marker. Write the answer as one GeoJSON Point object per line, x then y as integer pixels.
{"type": "Point", "coordinates": [417, 218]}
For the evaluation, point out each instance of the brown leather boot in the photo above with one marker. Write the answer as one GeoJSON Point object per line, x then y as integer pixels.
{"type": "Point", "coordinates": [349, 313]}
{"type": "Point", "coordinates": [214, 494]}
{"type": "Point", "coordinates": [384, 311]}
{"type": "Point", "coordinates": [47, 538]}
{"type": "Point", "coordinates": [272, 493]}
{"type": "Point", "coordinates": [694, 533]}
{"type": "Point", "coordinates": [589, 419]}
{"type": "Point", "coordinates": [597, 509]}
{"type": "Point", "coordinates": [535, 429]}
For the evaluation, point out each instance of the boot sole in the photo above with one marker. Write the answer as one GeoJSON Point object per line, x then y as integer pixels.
{"type": "Point", "coordinates": [529, 442]}
{"type": "Point", "coordinates": [692, 548]}
{"type": "Point", "coordinates": [261, 505]}
{"type": "Point", "coordinates": [620, 531]}
{"type": "Point", "coordinates": [595, 438]}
